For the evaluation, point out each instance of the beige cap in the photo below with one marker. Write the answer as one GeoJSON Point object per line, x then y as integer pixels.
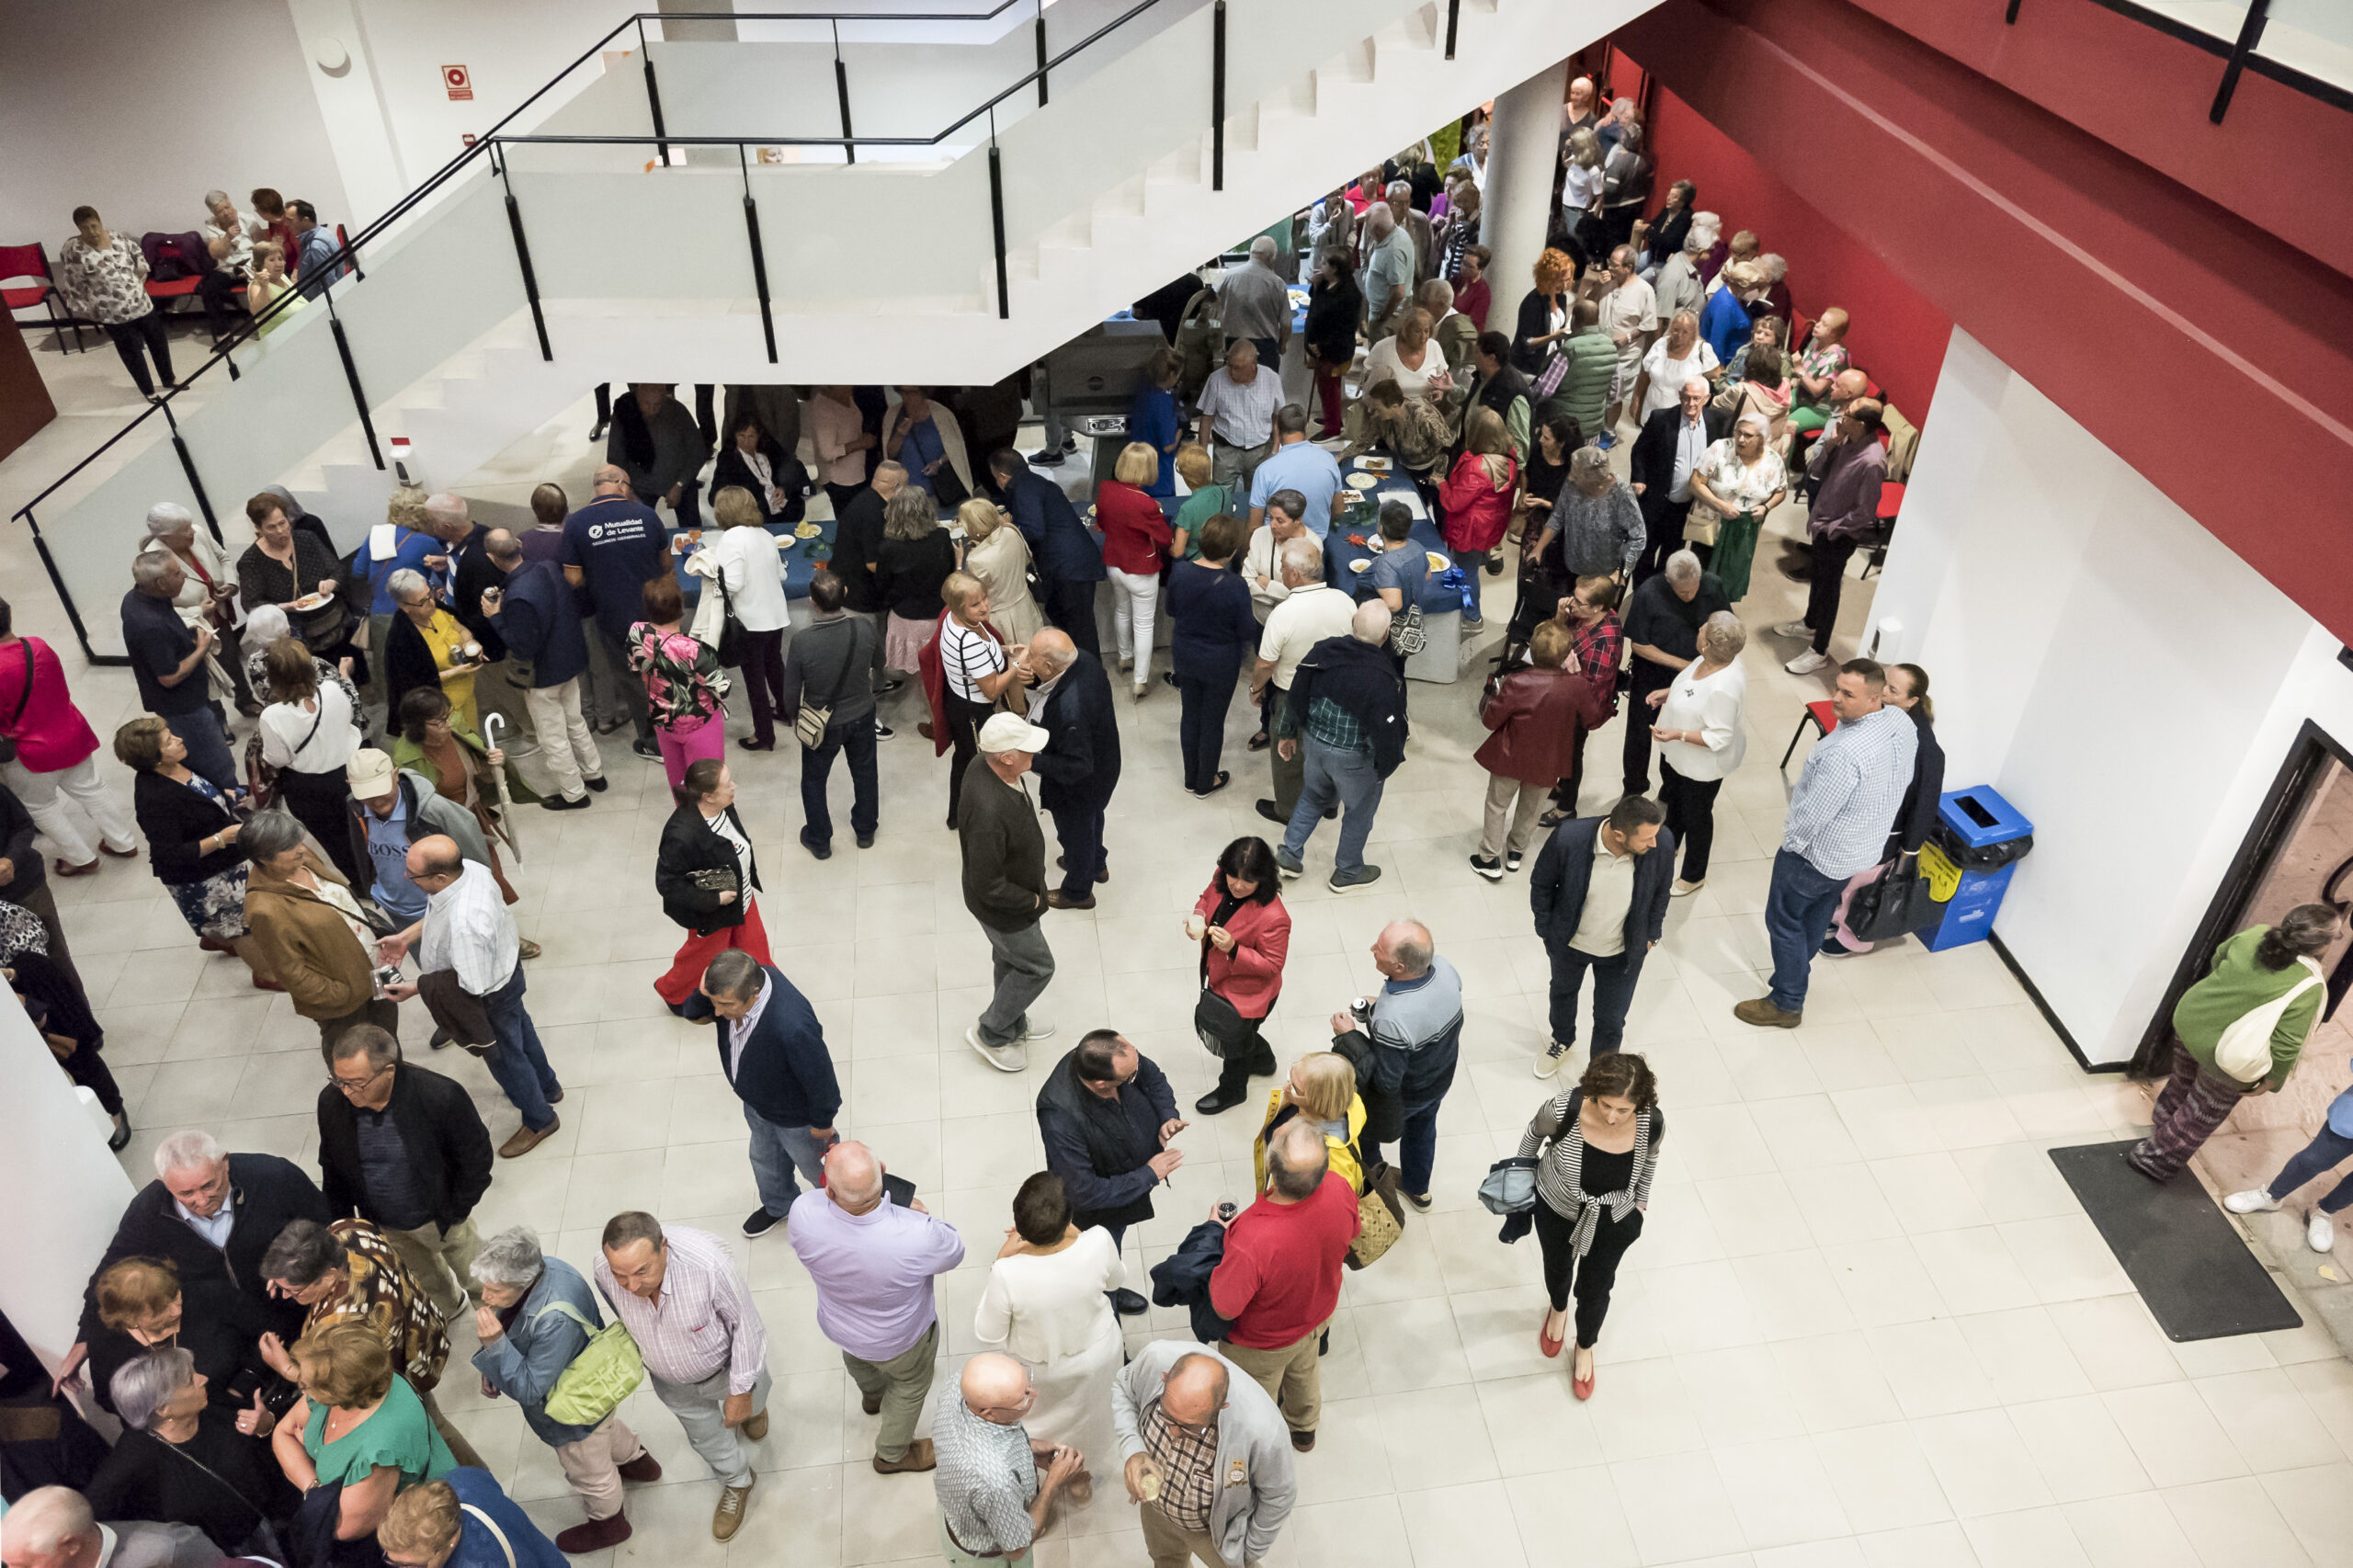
{"type": "Point", "coordinates": [369, 772]}
{"type": "Point", "coordinates": [1011, 731]}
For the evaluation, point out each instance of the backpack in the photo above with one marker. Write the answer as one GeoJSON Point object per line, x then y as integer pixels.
{"type": "Point", "coordinates": [2244, 1050]}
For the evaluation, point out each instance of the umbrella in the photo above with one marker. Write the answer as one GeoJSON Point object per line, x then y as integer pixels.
{"type": "Point", "coordinates": [490, 723]}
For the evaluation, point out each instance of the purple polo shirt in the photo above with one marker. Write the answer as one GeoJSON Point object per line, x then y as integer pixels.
{"type": "Point", "coordinates": [873, 1272]}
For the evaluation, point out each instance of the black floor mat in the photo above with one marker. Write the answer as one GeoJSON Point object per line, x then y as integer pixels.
{"type": "Point", "coordinates": [2183, 1253]}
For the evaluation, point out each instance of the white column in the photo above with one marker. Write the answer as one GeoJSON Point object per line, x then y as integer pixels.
{"type": "Point", "coordinates": [65, 1191]}
{"type": "Point", "coordinates": [1523, 145]}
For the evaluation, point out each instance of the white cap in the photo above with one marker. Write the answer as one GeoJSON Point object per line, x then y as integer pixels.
{"type": "Point", "coordinates": [1011, 731]}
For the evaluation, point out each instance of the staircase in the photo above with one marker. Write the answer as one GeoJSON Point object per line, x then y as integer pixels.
{"type": "Point", "coordinates": [880, 271]}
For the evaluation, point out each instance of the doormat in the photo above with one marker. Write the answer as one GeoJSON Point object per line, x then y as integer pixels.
{"type": "Point", "coordinates": [2182, 1253]}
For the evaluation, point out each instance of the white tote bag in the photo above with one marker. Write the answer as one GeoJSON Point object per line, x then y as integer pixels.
{"type": "Point", "coordinates": [2244, 1050]}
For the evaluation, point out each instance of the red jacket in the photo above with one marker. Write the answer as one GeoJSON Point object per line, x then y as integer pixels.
{"type": "Point", "coordinates": [1136, 534]}
{"type": "Point", "coordinates": [1476, 512]}
{"type": "Point", "coordinates": [1251, 976]}
{"type": "Point", "coordinates": [1539, 718]}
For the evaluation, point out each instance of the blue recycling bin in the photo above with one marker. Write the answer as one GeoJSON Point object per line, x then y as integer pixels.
{"type": "Point", "coordinates": [1979, 841]}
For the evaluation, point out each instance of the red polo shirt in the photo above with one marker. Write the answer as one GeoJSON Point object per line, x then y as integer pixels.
{"type": "Point", "coordinates": [1281, 1277]}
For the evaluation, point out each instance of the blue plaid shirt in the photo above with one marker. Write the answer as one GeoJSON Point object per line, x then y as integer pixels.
{"type": "Point", "coordinates": [1849, 792]}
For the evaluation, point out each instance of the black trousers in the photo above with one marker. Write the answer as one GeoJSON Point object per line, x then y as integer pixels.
{"type": "Point", "coordinates": [135, 340]}
{"type": "Point", "coordinates": [763, 670]}
{"type": "Point", "coordinates": [964, 721]}
{"type": "Point", "coordinates": [1254, 1060]}
{"type": "Point", "coordinates": [1564, 792]}
{"type": "Point", "coordinates": [1200, 725]}
{"type": "Point", "coordinates": [1071, 606]}
{"type": "Point", "coordinates": [1080, 832]}
{"type": "Point", "coordinates": [1591, 1276]}
{"type": "Point", "coordinates": [1663, 523]}
{"type": "Point", "coordinates": [319, 801]}
{"type": "Point", "coordinates": [1646, 677]}
{"type": "Point", "coordinates": [217, 289]}
{"type": "Point", "coordinates": [1690, 815]}
{"type": "Point", "coordinates": [841, 496]}
{"type": "Point", "coordinates": [688, 514]}
{"type": "Point", "coordinates": [1829, 569]}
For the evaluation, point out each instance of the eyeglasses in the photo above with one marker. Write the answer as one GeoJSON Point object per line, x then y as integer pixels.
{"type": "Point", "coordinates": [358, 1086]}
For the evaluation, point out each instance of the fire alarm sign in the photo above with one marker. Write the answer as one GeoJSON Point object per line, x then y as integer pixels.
{"type": "Point", "coordinates": [459, 83]}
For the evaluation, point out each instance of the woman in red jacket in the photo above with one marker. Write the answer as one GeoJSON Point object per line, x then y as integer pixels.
{"type": "Point", "coordinates": [1244, 933]}
{"type": "Point", "coordinates": [1476, 498]}
{"type": "Point", "coordinates": [1136, 537]}
{"type": "Point", "coordinates": [1540, 716]}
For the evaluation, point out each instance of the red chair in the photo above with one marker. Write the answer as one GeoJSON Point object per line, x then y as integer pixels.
{"type": "Point", "coordinates": [1822, 716]}
{"type": "Point", "coordinates": [33, 261]}
{"type": "Point", "coordinates": [1890, 501]}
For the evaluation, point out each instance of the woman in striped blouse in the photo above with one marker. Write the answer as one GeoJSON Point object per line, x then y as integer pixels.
{"type": "Point", "coordinates": [1593, 1184]}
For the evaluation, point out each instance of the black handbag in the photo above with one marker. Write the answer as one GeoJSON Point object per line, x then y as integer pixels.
{"type": "Point", "coordinates": [1224, 1032]}
{"type": "Point", "coordinates": [730, 651]}
{"type": "Point", "coordinates": [1897, 905]}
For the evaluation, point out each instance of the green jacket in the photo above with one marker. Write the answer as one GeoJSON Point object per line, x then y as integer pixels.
{"type": "Point", "coordinates": [1584, 392]}
{"type": "Point", "coordinates": [2236, 987]}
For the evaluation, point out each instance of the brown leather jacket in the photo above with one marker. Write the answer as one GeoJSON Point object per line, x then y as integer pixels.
{"type": "Point", "coordinates": [1538, 717]}
{"type": "Point", "coordinates": [309, 945]}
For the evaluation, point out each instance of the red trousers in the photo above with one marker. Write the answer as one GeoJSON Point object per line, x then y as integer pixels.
{"type": "Point", "coordinates": [685, 976]}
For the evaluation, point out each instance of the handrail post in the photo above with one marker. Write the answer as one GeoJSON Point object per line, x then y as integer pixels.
{"type": "Point", "coordinates": [351, 374]}
{"type": "Point", "coordinates": [1453, 20]}
{"type": "Point", "coordinates": [1217, 98]}
{"type": "Point", "coordinates": [530, 278]}
{"type": "Point", "coordinates": [759, 258]}
{"type": "Point", "coordinates": [57, 581]}
{"type": "Point", "coordinates": [652, 94]}
{"type": "Point", "coordinates": [996, 218]}
{"type": "Point", "coordinates": [2250, 35]}
{"type": "Point", "coordinates": [841, 91]}
{"type": "Point", "coordinates": [195, 481]}
{"type": "Point", "coordinates": [1042, 54]}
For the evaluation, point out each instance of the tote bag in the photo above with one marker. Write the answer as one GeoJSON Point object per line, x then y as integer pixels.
{"type": "Point", "coordinates": [2245, 1050]}
{"type": "Point", "coordinates": [607, 1371]}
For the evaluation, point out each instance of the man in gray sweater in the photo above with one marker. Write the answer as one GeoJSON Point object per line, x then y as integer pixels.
{"type": "Point", "coordinates": [828, 664]}
{"type": "Point", "coordinates": [1005, 887]}
{"type": "Point", "coordinates": [1207, 1455]}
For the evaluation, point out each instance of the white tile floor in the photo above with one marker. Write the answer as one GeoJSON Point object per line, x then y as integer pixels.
{"type": "Point", "coordinates": [1868, 1324]}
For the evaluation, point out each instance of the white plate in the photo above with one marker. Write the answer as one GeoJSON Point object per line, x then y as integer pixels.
{"type": "Point", "coordinates": [1361, 482]}
{"type": "Point", "coordinates": [309, 602]}
{"type": "Point", "coordinates": [786, 542]}
{"type": "Point", "coordinates": [1359, 565]}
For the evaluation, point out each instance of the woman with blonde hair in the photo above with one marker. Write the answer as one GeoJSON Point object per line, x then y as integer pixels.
{"type": "Point", "coordinates": [357, 1423]}
{"type": "Point", "coordinates": [1476, 499]}
{"type": "Point", "coordinates": [1737, 481]}
{"type": "Point", "coordinates": [1409, 359]}
{"type": "Point", "coordinates": [914, 559]}
{"type": "Point", "coordinates": [1208, 499]}
{"type": "Point", "coordinates": [750, 568]}
{"type": "Point", "coordinates": [999, 557]}
{"type": "Point", "coordinates": [1323, 1088]}
{"type": "Point", "coordinates": [1136, 537]}
{"type": "Point", "coordinates": [1581, 182]}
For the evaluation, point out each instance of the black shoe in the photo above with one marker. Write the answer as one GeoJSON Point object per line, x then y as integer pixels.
{"type": "Point", "coordinates": [822, 851]}
{"type": "Point", "coordinates": [596, 431]}
{"type": "Point", "coordinates": [888, 686]}
{"type": "Point", "coordinates": [1168, 677]}
{"type": "Point", "coordinates": [866, 841]}
{"type": "Point", "coordinates": [883, 732]}
{"type": "Point", "coordinates": [748, 743]}
{"type": "Point", "coordinates": [647, 750]}
{"type": "Point", "coordinates": [1266, 809]}
{"type": "Point", "coordinates": [1050, 458]}
{"type": "Point", "coordinates": [1127, 1303]}
{"type": "Point", "coordinates": [596, 784]}
{"type": "Point", "coordinates": [607, 726]}
{"type": "Point", "coordinates": [558, 803]}
{"type": "Point", "coordinates": [1488, 867]}
{"type": "Point", "coordinates": [440, 1038]}
{"type": "Point", "coordinates": [760, 1223]}
{"type": "Point", "coordinates": [1219, 1099]}
{"type": "Point", "coordinates": [120, 1137]}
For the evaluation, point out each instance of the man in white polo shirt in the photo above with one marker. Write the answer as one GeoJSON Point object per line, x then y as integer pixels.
{"type": "Point", "coordinates": [1238, 405]}
{"type": "Point", "coordinates": [1310, 611]}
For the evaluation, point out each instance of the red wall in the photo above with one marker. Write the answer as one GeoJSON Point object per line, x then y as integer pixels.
{"type": "Point", "coordinates": [1894, 334]}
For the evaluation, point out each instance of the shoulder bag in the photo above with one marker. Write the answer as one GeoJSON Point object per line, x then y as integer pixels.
{"type": "Point", "coordinates": [1897, 905]}
{"type": "Point", "coordinates": [2244, 1050]}
{"type": "Point", "coordinates": [24, 699]}
{"type": "Point", "coordinates": [496, 1534]}
{"type": "Point", "coordinates": [1381, 1214]}
{"type": "Point", "coordinates": [607, 1371]}
{"type": "Point", "coordinates": [1224, 1032]}
{"type": "Point", "coordinates": [809, 724]}
{"type": "Point", "coordinates": [1407, 636]}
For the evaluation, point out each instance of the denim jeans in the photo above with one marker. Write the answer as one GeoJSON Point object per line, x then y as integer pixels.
{"type": "Point", "coordinates": [779, 1148]}
{"type": "Point", "coordinates": [1417, 1146]}
{"type": "Point", "coordinates": [855, 736]}
{"type": "Point", "coordinates": [1348, 777]}
{"type": "Point", "coordinates": [517, 1060]}
{"type": "Point", "coordinates": [2324, 1154]}
{"type": "Point", "coordinates": [1614, 978]}
{"type": "Point", "coordinates": [1798, 910]}
{"type": "Point", "coordinates": [1081, 835]}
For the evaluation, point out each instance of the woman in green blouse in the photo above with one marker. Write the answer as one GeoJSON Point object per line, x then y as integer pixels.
{"type": "Point", "coordinates": [359, 1424]}
{"type": "Point", "coordinates": [1206, 501]}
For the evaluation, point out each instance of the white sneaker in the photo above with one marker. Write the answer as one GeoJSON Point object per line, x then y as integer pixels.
{"type": "Point", "coordinates": [1685, 890]}
{"type": "Point", "coordinates": [1004, 1058]}
{"type": "Point", "coordinates": [2320, 1232]}
{"type": "Point", "coordinates": [1549, 1063]}
{"type": "Point", "coordinates": [1805, 664]}
{"type": "Point", "coordinates": [1797, 628]}
{"type": "Point", "coordinates": [2253, 1201]}
{"type": "Point", "coordinates": [1033, 1030]}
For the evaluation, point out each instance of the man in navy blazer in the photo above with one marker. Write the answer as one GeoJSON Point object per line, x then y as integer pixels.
{"type": "Point", "coordinates": [1600, 897]}
{"type": "Point", "coordinates": [772, 1049]}
{"type": "Point", "coordinates": [1080, 766]}
{"type": "Point", "coordinates": [1068, 555]}
{"type": "Point", "coordinates": [535, 615]}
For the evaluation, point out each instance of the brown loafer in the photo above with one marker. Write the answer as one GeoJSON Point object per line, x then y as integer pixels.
{"type": "Point", "coordinates": [63, 869]}
{"type": "Point", "coordinates": [1764, 1015]}
{"type": "Point", "coordinates": [917, 1457]}
{"type": "Point", "coordinates": [525, 948]}
{"type": "Point", "coordinates": [1059, 899]}
{"type": "Point", "coordinates": [870, 1403]}
{"type": "Point", "coordinates": [728, 1517]}
{"type": "Point", "coordinates": [525, 1140]}
{"type": "Point", "coordinates": [129, 854]}
{"type": "Point", "coordinates": [756, 1425]}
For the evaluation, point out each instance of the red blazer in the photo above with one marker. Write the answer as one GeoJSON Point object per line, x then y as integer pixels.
{"type": "Point", "coordinates": [1136, 534]}
{"type": "Point", "coordinates": [1539, 718]}
{"type": "Point", "coordinates": [1476, 512]}
{"type": "Point", "coordinates": [1251, 976]}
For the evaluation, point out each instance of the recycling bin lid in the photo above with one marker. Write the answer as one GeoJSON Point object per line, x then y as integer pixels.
{"type": "Point", "coordinates": [1978, 816]}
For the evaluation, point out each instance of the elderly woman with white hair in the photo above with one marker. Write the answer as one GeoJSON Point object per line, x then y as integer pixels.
{"type": "Point", "coordinates": [1738, 481]}
{"type": "Point", "coordinates": [207, 593]}
{"type": "Point", "coordinates": [265, 626]}
{"type": "Point", "coordinates": [536, 1316]}
{"type": "Point", "coordinates": [1702, 733]}
{"type": "Point", "coordinates": [185, 1460]}
{"type": "Point", "coordinates": [1680, 284]}
{"type": "Point", "coordinates": [425, 645]}
{"type": "Point", "coordinates": [1674, 361]}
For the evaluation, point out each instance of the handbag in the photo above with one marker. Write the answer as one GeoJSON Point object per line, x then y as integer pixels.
{"type": "Point", "coordinates": [2244, 1050]}
{"type": "Point", "coordinates": [1510, 1186]}
{"type": "Point", "coordinates": [730, 650]}
{"type": "Point", "coordinates": [607, 1371]}
{"type": "Point", "coordinates": [1897, 905]}
{"type": "Point", "coordinates": [1381, 1215]}
{"type": "Point", "coordinates": [24, 699]}
{"type": "Point", "coordinates": [1224, 1032]}
{"type": "Point", "coordinates": [1407, 635]}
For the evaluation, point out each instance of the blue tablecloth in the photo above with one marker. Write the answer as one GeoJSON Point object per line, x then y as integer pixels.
{"type": "Point", "coordinates": [798, 567]}
{"type": "Point", "coordinates": [1339, 554]}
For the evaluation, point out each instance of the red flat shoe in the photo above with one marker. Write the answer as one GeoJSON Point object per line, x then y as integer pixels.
{"type": "Point", "coordinates": [1545, 1340]}
{"type": "Point", "coordinates": [1582, 1387]}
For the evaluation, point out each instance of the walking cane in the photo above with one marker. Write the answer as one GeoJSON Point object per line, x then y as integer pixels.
{"type": "Point", "coordinates": [490, 723]}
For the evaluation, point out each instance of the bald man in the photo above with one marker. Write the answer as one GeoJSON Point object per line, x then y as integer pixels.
{"type": "Point", "coordinates": [471, 570]}
{"type": "Point", "coordinates": [1413, 1035]}
{"type": "Point", "coordinates": [1071, 700]}
{"type": "Point", "coordinates": [1207, 1457]}
{"type": "Point", "coordinates": [873, 1263]}
{"type": "Point", "coordinates": [1346, 715]}
{"type": "Point", "coordinates": [993, 1500]}
{"type": "Point", "coordinates": [613, 547]}
{"type": "Point", "coordinates": [51, 1527]}
{"type": "Point", "coordinates": [1279, 1280]}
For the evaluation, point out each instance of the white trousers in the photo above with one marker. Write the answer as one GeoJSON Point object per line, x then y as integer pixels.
{"type": "Point", "coordinates": [40, 792]}
{"type": "Point", "coordinates": [1133, 610]}
{"type": "Point", "coordinates": [566, 744]}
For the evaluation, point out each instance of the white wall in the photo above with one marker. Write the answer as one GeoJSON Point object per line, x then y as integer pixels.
{"type": "Point", "coordinates": [140, 106]}
{"type": "Point", "coordinates": [2111, 667]}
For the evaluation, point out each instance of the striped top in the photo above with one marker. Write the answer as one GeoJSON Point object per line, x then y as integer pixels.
{"type": "Point", "coordinates": [966, 657]}
{"type": "Point", "coordinates": [704, 1321]}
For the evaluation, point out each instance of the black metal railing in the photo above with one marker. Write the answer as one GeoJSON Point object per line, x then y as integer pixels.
{"type": "Point", "coordinates": [2239, 54]}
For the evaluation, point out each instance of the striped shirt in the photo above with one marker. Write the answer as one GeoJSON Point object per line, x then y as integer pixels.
{"type": "Point", "coordinates": [466, 928]}
{"type": "Point", "coordinates": [1848, 791]}
{"type": "Point", "coordinates": [985, 1480]}
{"type": "Point", "coordinates": [704, 1319]}
{"type": "Point", "coordinates": [967, 655]}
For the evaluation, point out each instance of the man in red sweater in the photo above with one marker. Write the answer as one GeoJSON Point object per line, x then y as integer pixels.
{"type": "Point", "coordinates": [1281, 1277]}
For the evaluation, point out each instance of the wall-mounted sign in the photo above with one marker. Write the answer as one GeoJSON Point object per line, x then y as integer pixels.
{"type": "Point", "coordinates": [459, 83]}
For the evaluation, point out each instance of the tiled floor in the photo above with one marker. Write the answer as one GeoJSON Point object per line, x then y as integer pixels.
{"type": "Point", "coordinates": [1867, 1325]}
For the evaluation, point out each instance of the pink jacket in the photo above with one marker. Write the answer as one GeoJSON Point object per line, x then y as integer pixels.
{"type": "Point", "coordinates": [1251, 976]}
{"type": "Point", "coordinates": [50, 734]}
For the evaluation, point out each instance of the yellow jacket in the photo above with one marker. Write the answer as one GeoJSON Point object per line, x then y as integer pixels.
{"type": "Point", "coordinates": [1343, 1150]}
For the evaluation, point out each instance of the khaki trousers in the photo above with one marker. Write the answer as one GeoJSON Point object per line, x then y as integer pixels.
{"type": "Point", "coordinates": [903, 1381]}
{"type": "Point", "coordinates": [593, 1465]}
{"type": "Point", "coordinates": [496, 692]}
{"type": "Point", "coordinates": [1291, 1375]}
{"type": "Point", "coordinates": [566, 744]}
{"type": "Point", "coordinates": [1533, 799]}
{"type": "Point", "coordinates": [435, 1255]}
{"type": "Point", "coordinates": [1169, 1544]}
